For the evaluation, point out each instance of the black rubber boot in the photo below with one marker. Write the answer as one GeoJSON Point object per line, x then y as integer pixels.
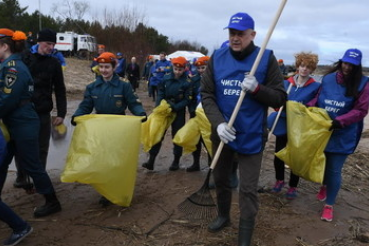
{"type": "Point", "coordinates": [245, 231]}
{"type": "Point", "coordinates": [52, 205]}
{"type": "Point", "coordinates": [223, 219]}
{"type": "Point", "coordinates": [196, 163]}
{"type": "Point", "coordinates": [150, 163]}
{"type": "Point", "coordinates": [175, 163]}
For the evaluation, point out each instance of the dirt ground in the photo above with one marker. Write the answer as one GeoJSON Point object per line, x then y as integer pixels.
{"type": "Point", "coordinates": [153, 218]}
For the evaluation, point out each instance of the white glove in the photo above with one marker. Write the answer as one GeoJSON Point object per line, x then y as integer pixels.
{"type": "Point", "coordinates": [249, 83]}
{"type": "Point", "coordinates": [226, 134]}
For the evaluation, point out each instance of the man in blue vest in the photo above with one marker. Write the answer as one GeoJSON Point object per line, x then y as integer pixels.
{"type": "Point", "coordinates": [221, 86]}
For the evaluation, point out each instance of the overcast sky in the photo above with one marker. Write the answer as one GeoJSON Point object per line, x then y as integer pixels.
{"type": "Point", "coordinates": [325, 27]}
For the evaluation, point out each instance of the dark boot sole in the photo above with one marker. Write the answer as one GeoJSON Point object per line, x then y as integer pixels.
{"type": "Point", "coordinates": [52, 210]}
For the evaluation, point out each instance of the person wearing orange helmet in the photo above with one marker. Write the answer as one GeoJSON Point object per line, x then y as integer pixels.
{"type": "Point", "coordinates": [109, 94]}
{"type": "Point", "coordinates": [174, 88]}
{"type": "Point", "coordinates": [282, 67]}
{"type": "Point", "coordinates": [201, 64]}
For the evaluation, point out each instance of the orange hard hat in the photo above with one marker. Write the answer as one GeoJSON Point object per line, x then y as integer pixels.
{"type": "Point", "coordinates": [280, 60]}
{"type": "Point", "coordinates": [106, 57]}
{"type": "Point", "coordinates": [202, 61]}
{"type": "Point", "coordinates": [179, 61]}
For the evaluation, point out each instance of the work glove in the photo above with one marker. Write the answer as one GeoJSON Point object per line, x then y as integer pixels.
{"type": "Point", "coordinates": [226, 133]}
{"type": "Point", "coordinates": [335, 125]}
{"type": "Point", "coordinates": [73, 122]}
{"type": "Point", "coordinates": [249, 83]}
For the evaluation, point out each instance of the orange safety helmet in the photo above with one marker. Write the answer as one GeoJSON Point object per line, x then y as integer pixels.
{"type": "Point", "coordinates": [202, 61]}
{"type": "Point", "coordinates": [280, 60]}
{"type": "Point", "coordinates": [106, 57]}
{"type": "Point", "coordinates": [179, 61]}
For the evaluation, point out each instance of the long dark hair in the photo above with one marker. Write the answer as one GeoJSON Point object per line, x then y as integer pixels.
{"type": "Point", "coordinates": [351, 81]}
{"type": "Point", "coordinates": [15, 46]}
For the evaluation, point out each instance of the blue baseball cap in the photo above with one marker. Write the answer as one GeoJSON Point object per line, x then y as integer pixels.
{"type": "Point", "coordinates": [119, 54]}
{"type": "Point", "coordinates": [352, 56]}
{"type": "Point", "coordinates": [241, 22]}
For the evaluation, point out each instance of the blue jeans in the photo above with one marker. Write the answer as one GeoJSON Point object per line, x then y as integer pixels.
{"type": "Point", "coordinates": [8, 216]}
{"type": "Point", "coordinates": [332, 175]}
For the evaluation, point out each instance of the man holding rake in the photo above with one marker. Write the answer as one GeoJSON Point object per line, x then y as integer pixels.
{"type": "Point", "coordinates": [221, 86]}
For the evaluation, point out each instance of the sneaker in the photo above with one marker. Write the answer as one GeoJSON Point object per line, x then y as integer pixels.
{"type": "Point", "coordinates": [278, 186]}
{"type": "Point", "coordinates": [291, 193]}
{"type": "Point", "coordinates": [322, 195]}
{"type": "Point", "coordinates": [327, 214]}
{"type": "Point", "coordinates": [15, 238]}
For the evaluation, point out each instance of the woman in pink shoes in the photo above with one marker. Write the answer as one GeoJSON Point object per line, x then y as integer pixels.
{"type": "Point", "coordinates": [303, 88]}
{"type": "Point", "coordinates": [345, 95]}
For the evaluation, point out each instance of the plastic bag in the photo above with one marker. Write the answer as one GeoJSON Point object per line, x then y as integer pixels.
{"type": "Point", "coordinates": [189, 135]}
{"type": "Point", "coordinates": [308, 134]}
{"type": "Point", "coordinates": [58, 132]}
{"type": "Point", "coordinates": [104, 153]}
{"type": "Point", "coordinates": [157, 123]}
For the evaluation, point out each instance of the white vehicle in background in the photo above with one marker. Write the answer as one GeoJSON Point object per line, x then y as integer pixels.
{"type": "Point", "coordinates": [73, 44]}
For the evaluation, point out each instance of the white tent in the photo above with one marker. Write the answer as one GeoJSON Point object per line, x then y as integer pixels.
{"type": "Point", "coordinates": [189, 55]}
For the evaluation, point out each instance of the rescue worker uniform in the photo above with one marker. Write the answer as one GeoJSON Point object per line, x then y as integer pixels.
{"type": "Point", "coordinates": [176, 93]}
{"type": "Point", "coordinates": [19, 115]}
{"type": "Point", "coordinates": [111, 97]}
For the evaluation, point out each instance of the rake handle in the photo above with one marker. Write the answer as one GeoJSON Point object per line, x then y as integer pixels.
{"type": "Point", "coordinates": [252, 72]}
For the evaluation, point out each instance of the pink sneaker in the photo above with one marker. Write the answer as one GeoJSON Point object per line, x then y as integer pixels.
{"type": "Point", "coordinates": [278, 186]}
{"type": "Point", "coordinates": [322, 195]}
{"type": "Point", "coordinates": [327, 214]}
{"type": "Point", "coordinates": [291, 193]}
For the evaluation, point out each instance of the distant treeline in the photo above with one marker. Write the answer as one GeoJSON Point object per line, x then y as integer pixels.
{"type": "Point", "coordinates": [124, 32]}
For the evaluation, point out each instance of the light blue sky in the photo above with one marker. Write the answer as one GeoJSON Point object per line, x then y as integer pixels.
{"type": "Point", "coordinates": [325, 27]}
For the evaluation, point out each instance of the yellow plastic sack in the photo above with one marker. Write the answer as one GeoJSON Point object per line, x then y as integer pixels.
{"type": "Point", "coordinates": [157, 123]}
{"type": "Point", "coordinates": [5, 131]}
{"type": "Point", "coordinates": [104, 153]}
{"type": "Point", "coordinates": [308, 134]}
{"type": "Point", "coordinates": [189, 135]}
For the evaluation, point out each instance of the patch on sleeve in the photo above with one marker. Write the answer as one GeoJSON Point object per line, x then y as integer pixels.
{"type": "Point", "coordinates": [10, 80]}
{"type": "Point", "coordinates": [12, 70]}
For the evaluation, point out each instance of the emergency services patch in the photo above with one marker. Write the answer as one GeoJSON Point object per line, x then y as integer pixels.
{"type": "Point", "coordinates": [12, 70]}
{"type": "Point", "coordinates": [10, 80]}
{"type": "Point", "coordinates": [118, 103]}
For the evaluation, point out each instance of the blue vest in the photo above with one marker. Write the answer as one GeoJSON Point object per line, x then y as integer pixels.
{"type": "Point", "coordinates": [228, 76]}
{"type": "Point", "coordinates": [334, 100]}
{"type": "Point", "coordinates": [302, 95]}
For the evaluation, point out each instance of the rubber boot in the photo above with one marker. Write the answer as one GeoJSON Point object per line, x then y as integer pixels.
{"type": "Point", "coordinates": [196, 163]}
{"type": "Point", "coordinates": [175, 163]}
{"type": "Point", "coordinates": [245, 231]}
{"type": "Point", "coordinates": [22, 180]}
{"type": "Point", "coordinates": [150, 163]}
{"type": "Point", "coordinates": [51, 206]}
{"type": "Point", "coordinates": [223, 219]}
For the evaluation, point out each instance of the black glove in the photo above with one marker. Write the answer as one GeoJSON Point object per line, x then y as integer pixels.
{"type": "Point", "coordinates": [335, 125]}
{"type": "Point", "coordinates": [144, 119]}
{"type": "Point", "coordinates": [73, 122]}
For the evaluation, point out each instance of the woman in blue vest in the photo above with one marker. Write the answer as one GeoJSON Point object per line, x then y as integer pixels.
{"type": "Point", "coordinates": [302, 88]}
{"type": "Point", "coordinates": [344, 94]}
{"type": "Point", "coordinates": [19, 115]}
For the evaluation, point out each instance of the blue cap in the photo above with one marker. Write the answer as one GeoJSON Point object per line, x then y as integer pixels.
{"type": "Point", "coordinates": [352, 56]}
{"type": "Point", "coordinates": [119, 54]}
{"type": "Point", "coordinates": [241, 22]}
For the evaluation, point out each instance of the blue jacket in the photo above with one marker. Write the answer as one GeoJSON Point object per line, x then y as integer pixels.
{"type": "Point", "coordinates": [251, 118]}
{"type": "Point", "coordinates": [299, 94]}
{"type": "Point", "coordinates": [333, 98]}
{"type": "Point", "coordinates": [194, 93]}
{"type": "Point", "coordinates": [121, 68]}
{"type": "Point", "coordinates": [112, 97]}
{"type": "Point", "coordinates": [161, 68]}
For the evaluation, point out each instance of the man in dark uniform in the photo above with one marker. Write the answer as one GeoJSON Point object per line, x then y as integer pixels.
{"type": "Point", "coordinates": [133, 73]}
{"type": "Point", "coordinates": [221, 86]}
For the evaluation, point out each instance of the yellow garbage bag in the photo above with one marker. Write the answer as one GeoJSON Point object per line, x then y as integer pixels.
{"type": "Point", "coordinates": [189, 135]}
{"type": "Point", "coordinates": [308, 134]}
{"type": "Point", "coordinates": [5, 131]}
{"type": "Point", "coordinates": [157, 123]}
{"type": "Point", "coordinates": [104, 153]}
